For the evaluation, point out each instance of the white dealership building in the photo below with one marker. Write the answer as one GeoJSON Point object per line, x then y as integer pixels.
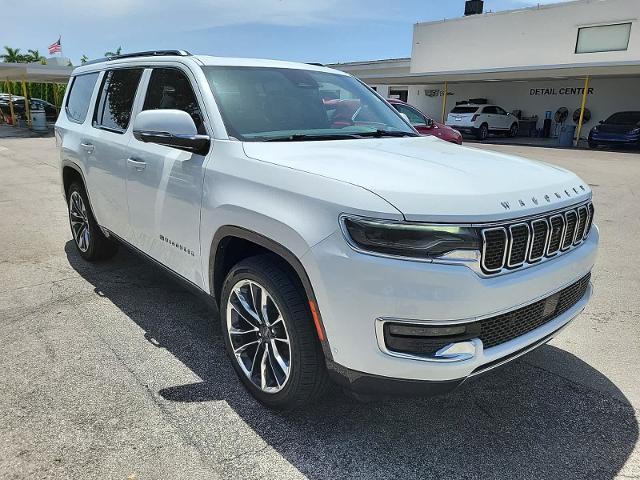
{"type": "Point", "coordinates": [531, 61]}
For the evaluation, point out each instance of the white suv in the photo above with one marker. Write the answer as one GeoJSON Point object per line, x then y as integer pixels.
{"type": "Point", "coordinates": [355, 250]}
{"type": "Point", "coordinates": [480, 120]}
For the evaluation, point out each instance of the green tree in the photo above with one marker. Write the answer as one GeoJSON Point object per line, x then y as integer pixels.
{"type": "Point", "coordinates": [34, 57]}
{"type": "Point", "coordinates": [12, 55]}
{"type": "Point", "coordinates": [113, 54]}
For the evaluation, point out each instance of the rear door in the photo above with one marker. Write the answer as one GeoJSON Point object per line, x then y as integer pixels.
{"type": "Point", "coordinates": [164, 184]}
{"type": "Point", "coordinates": [105, 143]}
{"type": "Point", "coordinates": [489, 115]}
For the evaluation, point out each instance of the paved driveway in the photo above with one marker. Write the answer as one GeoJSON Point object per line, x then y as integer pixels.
{"type": "Point", "coordinates": [112, 370]}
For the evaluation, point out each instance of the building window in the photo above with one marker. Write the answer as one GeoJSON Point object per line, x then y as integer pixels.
{"type": "Point", "coordinates": [603, 38]}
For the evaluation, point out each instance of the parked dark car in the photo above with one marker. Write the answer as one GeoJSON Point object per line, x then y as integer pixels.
{"type": "Point", "coordinates": [621, 128]}
{"type": "Point", "coordinates": [35, 103]}
{"type": "Point", "coordinates": [425, 125]}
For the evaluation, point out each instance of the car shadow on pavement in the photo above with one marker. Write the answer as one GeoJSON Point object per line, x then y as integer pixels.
{"type": "Point", "coordinates": [519, 421]}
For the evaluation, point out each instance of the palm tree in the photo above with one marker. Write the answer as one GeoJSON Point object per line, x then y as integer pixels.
{"type": "Point", "coordinates": [84, 59]}
{"type": "Point", "coordinates": [12, 55]}
{"type": "Point", "coordinates": [113, 54]}
{"type": "Point", "coordinates": [35, 57]}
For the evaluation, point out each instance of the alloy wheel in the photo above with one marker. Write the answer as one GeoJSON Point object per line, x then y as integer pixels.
{"type": "Point", "coordinates": [258, 335]}
{"type": "Point", "coordinates": [79, 221]}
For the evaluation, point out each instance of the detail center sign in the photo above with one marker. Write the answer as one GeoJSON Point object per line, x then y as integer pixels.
{"type": "Point", "coordinates": [560, 91]}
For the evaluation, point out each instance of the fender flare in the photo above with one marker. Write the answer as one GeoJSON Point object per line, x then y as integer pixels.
{"type": "Point", "coordinates": [283, 252]}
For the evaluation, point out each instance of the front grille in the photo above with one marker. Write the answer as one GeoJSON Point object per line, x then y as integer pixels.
{"type": "Point", "coordinates": [531, 240]}
{"type": "Point", "coordinates": [505, 327]}
{"type": "Point", "coordinates": [426, 340]}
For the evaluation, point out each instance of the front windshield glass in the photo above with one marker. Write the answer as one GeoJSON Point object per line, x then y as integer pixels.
{"type": "Point", "coordinates": [624, 118]}
{"type": "Point", "coordinates": [271, 104]}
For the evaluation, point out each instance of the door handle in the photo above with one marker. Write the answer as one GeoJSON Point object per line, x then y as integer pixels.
{"type": "Point", "coordinates": [139, 165]}
{"type": "Point", "coordinates": [87, 146]}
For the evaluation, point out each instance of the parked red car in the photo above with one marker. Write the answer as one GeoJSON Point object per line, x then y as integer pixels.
{"type": "Point", "coordinates": [425, 125]}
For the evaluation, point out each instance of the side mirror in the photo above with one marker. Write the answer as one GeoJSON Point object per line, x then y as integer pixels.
{"type": "Point", "coordinates": [172, 128]}
{"type": "Point", "coordinates": [429, 122]}
{"type": "Point", "coordinates": [601, 122]}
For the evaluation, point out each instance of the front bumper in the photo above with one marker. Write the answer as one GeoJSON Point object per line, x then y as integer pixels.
{"type": "Point", "coordinates": [354, 290]}
{"type": "Point", "coordinates": [614, 139]}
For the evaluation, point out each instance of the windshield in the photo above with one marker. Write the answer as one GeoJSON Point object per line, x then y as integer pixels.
{"type": "Point", "coordinates": [624, 118]}
{"type": "Point", "coordinates": [271, 104]}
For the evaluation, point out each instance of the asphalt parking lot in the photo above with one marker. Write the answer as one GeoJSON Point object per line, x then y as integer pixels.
{"type": "Point", "coordinates": [112, 370]}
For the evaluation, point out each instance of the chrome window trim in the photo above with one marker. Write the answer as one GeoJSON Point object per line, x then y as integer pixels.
{"type": "Point", "coordinates": [526, 249]}
{"type": "Point", "coordinates": [563, 229]}
{"type": "Point", "coordinates": [484, 248]}
{"type": "Point", "coordinates": [533, 237]}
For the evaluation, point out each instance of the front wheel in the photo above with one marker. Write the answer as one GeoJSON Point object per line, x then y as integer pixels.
{"type": "Point", "coordinates": [269, 334]}
{"type": "Point", "coordinates": [513, 130]}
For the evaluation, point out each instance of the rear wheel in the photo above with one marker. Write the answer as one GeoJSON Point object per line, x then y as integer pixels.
{"type": "Point", "coordinates": [91, 243]}
{"type": "Point", "coordinates": [483, 132]}
{"type": "Point", "coordinates": [269, 334]}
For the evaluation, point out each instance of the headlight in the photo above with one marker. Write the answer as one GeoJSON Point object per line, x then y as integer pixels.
{"type": "Point", "coordinates": [409, 239]}
{"type": "Point", "coordinates": [635, 131]}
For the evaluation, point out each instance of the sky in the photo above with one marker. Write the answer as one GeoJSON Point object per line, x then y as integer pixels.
{"type": "Point", "coordinates": [325, 31]}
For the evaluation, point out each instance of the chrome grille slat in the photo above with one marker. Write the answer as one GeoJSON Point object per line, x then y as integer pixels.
{"type": "Point", "coordinates": [529, 240]}
{"type": "Point", "coordinates": [571, 219]}
{"type": "Point", "coordinates": [557, 226]}
{"type": "Point", "coordinates": [519, 237]}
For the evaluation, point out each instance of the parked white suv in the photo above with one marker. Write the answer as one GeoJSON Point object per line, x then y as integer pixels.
{"type": "Point", "coordinates": [480, 120]}
{"type": "Point", "coordinates": [352, 250]}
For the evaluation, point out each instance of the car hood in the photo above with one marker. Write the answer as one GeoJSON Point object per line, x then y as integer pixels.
{"type": "Point", "coordinates": [430, 180]}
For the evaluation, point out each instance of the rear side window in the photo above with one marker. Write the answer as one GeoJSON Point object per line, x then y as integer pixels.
{"type": "Point", "coordinates": [116, 99]}
{"type": "Point", "coordinates": [169, 88]}
{"type": "Point", "coordinates": [491, 110]}
{"type": "Point", "coordinates": [80, 96]}
{"type": "Point", "coordinates": [464, 110]}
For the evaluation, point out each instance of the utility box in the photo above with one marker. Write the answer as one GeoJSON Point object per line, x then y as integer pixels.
{"type": "Point", "coordinates": [39, 121]}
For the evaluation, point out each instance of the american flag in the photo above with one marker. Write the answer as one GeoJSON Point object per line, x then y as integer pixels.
{"type": "Point", "coordinates": [55, 47]}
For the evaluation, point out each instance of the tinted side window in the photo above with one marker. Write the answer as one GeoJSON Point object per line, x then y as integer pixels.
{"type": "Point", "coordinates": [491, 110]}
{"type": "Point", "coordinates": [116, 99]}
{"type": "Point", "coordinates": [80, 96]}
{"type": "Point", "coordinates": [169, 88]}
{"type": "Point", "coordinates": [500, 111]}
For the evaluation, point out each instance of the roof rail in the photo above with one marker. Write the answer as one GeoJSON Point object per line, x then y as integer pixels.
{"type": "Point", "coordinates": [149, 53]}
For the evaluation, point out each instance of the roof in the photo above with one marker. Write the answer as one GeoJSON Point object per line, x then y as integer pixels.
{"type": "Point", "coordinates": [504, 12]}
{"type": "Point", "coordinates": [34, 72]}
{"type": "Point", "coordinates": [202, 60]}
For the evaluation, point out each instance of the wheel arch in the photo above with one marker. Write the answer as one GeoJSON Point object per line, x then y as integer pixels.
{"type": "Point", "coordinates": [232, 243]}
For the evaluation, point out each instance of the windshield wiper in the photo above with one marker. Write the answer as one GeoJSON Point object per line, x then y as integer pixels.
{"type": "Point", "coordinates": [302, 137]}
{"type": "Point", "coordinates": [388, 133]}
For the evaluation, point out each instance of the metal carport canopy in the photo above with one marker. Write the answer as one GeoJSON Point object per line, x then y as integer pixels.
{"type": "Point", "coordinates": [34, 72]}
{"type": "Point", "coordinates": [538, 72]}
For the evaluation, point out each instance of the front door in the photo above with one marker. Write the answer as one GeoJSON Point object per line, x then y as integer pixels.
{"type": "Point", "coordinates": [164, 184]}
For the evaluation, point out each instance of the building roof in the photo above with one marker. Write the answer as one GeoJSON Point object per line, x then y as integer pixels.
{"type": "Point", "coordinates": [34, 72]}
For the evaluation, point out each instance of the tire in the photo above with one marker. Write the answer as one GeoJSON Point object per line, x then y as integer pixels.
{"type": "Point", "coordinates": [88, 238]}
{"type": "Point", "coordinates": [592, 144]}
{"type": "Point", "coordinates": [305, 378]}
{"type": "Point", "coordinates": [513, 130]}
{"type": "Point", "coordinates": [483, 132]}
